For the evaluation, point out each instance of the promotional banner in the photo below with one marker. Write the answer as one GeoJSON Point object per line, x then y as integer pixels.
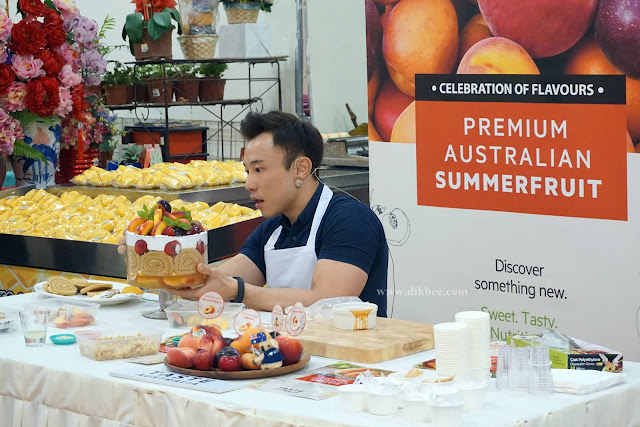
{"type": "Point", "coordinates": [503, 165]}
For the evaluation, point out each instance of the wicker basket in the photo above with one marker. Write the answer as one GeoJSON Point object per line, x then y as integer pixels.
{"type": "Point", "coordinates": [198, 47]}
{"type": "Point", "coordinates": [242, 16]}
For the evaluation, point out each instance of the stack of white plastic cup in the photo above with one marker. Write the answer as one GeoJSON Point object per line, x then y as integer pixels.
{"type": "Point", "coordinates": [540, 376]}
{"type": "Point", "coordinates": [479, 338]}
{"type": "Point", "coordinates": [452, 348]}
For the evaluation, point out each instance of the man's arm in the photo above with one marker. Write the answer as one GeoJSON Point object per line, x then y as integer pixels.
{"type": "Point", "coordinates": [330, 279]}
{"type": "Point", "coordinates": [242, 266]}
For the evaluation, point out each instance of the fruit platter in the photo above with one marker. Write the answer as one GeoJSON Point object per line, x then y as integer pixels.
{"type": "Point", "coordinates": [203, 352]}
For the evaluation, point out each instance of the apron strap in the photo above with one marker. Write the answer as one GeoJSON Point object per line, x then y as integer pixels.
{"type": "Point", "coordinates": [325, 198]}
{"type": "Point", "coordinates": [323, 203]}
{"type": "Point", "coordinates": [271, 243]}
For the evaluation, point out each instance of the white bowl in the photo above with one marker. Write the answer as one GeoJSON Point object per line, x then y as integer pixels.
{"type": "Point", "coordinates": [352, 398]}
{"type": "Point", "coordinates": [353, 316]}
{"type": "Point", "coordinates": [383, 403]}
{"type": "Point", "coordinates": [416, 407]}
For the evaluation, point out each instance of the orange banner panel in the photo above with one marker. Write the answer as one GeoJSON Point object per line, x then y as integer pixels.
{"type": "Point", "coordinates": [549, 159]}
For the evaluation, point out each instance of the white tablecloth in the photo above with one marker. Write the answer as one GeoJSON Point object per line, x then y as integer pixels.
{"type": "Point", "coordinates": [54, 386]}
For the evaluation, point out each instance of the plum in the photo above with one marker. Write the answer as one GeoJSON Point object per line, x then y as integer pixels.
{"type": "Point", "coordinates": [374, 37]}
{"type": "Point", "coordinates": [618, 34]}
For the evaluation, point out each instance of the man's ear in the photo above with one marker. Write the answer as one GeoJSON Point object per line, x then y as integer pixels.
{"type": "Point", "coordinates": [303, 167]}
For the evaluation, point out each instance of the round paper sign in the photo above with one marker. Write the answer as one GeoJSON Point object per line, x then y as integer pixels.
{"type": "Point", "coordinates": [210, 305]}
{"type": "Point", "coordinates": [296, 319]}
{"type": "Point", "coordinates": [277, 318]}
{"type": "Point", "coordinates": [246, 319]}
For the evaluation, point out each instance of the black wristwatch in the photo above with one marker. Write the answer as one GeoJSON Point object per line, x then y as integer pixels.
{"type": "Point", "coordinates": [240, 295]}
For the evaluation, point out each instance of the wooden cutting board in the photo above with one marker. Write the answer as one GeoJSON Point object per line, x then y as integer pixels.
{"type": "Point", "coordinates": [390, 339]}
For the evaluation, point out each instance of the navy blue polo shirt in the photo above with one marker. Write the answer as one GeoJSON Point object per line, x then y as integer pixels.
{"type": "Point", "coordinates": [349, 232]}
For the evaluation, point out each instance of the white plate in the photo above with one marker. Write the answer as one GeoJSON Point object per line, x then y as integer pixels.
{"type": "Point", "coordinates": [116, 299]}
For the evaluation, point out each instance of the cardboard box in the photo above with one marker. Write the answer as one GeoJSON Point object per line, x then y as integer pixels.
{"type": "Point", "coordinates": [244, 41]}
{"type": "Point", "coordinates": [588, 357]}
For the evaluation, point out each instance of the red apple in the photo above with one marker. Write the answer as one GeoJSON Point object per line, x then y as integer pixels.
{"type": "Point", "coordinates": [203, 360]}
{"type": "Point", "coordinates": [226, 351]}
{"type": "Point", "coordinates": [543, 27]}
{"type": "Point", "coordinates": [230, 363]}
{"type": "Point", "coordinates": [290, 348]}
{"type": "Point", "coordinates": [181, 357]}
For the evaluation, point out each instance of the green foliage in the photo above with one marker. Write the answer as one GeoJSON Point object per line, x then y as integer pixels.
{"type": "Point", "coordinates": [120, 76]}
{"type": "Point", "coordinates": [186, 70]}
{"type": "Point", "coordinates": [263, 4]}
{"type": "Point", "coordinates": [108, 24]}
{"type": "Point", "coordinates": [131, 152]}
{"type": "Point", "coordinates": [26, 118]}
{"type": "Point", "coordinates": [212, 69]}
{"type": "Point", "coordinates": [22, 149]}
{"type": "Point", "coordinates": [157, 26]}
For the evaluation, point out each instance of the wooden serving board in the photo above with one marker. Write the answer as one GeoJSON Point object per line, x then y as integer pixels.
{"type": "Point", "coordinates": [390, 339]}
{"type": "Point", "coordinates": [243, 375]}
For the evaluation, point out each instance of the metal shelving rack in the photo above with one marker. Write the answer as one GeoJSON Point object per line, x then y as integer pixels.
{"type": "Point", "coordinates": [245, 103]}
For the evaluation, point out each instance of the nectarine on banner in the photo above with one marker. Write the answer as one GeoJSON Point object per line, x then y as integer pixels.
{"type": "Point", "coordinates": [497, 55]}
{"type": "Point", "coordinates": [420, 37]}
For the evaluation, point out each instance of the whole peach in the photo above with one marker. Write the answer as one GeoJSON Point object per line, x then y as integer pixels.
{"type": "Point", "coordinates": [542, 27]}
{"type": "Point", "coordinates": [475, 30]}
{"type": "Point", "coordinates": [497, 55]}
{"type": "Point", "coordinates": [420, 37]}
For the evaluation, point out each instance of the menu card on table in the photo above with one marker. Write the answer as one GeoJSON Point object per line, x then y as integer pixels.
{"type": "Point", "coordinates": [162, 376]}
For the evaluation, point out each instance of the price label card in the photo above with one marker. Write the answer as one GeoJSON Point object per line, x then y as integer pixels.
{"type": "Point", "coordinates": [210, 305]}
{"type": "Point", "coordinates": [277, 318]}
{"type": "Point", "coordinates": [246, 319]}
{"type": "Point", "coordinates": [296, 319]}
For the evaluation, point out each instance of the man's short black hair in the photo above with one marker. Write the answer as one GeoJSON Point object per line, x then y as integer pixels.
{"type": "Point", "coordinates": [296, 137]}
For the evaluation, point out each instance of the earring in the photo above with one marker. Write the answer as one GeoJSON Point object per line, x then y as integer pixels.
{"type": "Point", "coordinates": [298, 183]}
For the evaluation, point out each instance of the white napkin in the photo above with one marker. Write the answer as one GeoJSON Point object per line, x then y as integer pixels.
{"type": "Point", "coordinates": [584, 382]}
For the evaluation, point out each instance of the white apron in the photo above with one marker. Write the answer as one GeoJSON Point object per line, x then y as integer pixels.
{"type": "Point", "coordinates": [293, 267]}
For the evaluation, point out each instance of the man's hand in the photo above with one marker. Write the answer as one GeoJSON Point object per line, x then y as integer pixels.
{"type": "Point", "coordinates": [216, 281]}
{"type": "Point", "coordinates": [122, 248]}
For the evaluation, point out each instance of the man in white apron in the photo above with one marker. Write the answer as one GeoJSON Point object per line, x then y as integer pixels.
{"type": "Point", "coordinates": [314, 244]}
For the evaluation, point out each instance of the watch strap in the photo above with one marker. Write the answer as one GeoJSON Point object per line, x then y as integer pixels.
{"type": "Point", "coordinates": [240, 294]}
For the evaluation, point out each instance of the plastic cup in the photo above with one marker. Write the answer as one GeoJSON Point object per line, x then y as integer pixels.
{"type": "Point", "coordinates": [540, 379]}
{"type": "Point", "coordinates": [34, 327]}
{"type": "Point", "coordinates": [416, 407]}
{"type": "Point", "coordinates": [446, 410]}
{"type": "Point", "coordinates": [473, 393]}
{"type": "Point", "coordinates": [383, 402]}
{"type": "Point", "coordinates": [502, 368]}
{"type": "Point", "coordinates": [352, 398]}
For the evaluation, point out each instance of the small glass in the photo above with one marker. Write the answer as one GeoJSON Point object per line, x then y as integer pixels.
{"type": "Point", "coordinates": [34, 327]}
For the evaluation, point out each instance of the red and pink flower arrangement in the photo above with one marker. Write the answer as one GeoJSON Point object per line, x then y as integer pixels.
{"type": "Point", "coordinates": [45, 60]}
